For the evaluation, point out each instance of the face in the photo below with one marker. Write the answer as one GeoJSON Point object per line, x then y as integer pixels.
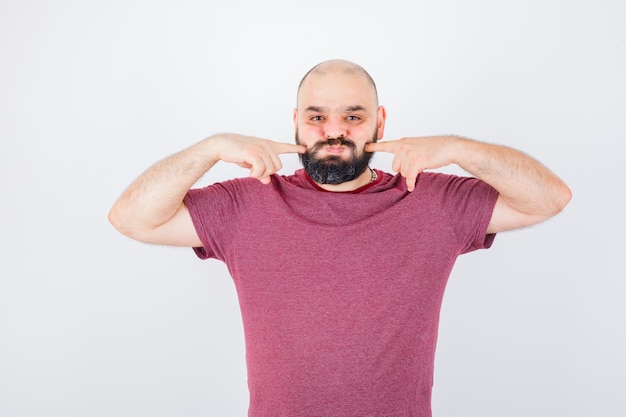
{"type": "Point", "coordinates": [337, 115]}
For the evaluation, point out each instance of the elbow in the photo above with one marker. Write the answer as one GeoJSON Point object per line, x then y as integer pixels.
{"type": "Point", "coordinates": [116, 218]}
{"type": "Point", "coordinates": [567, 196]}
{"type": "Point", "coordinates": [562, 198]}
{"type": "Point", "coordinates": [130, 224]}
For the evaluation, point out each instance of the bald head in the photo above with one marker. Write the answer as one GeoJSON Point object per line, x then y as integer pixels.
{"type": "Point", "coordinates": [338, 66]}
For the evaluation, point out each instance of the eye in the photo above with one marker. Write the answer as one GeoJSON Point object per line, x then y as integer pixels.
{"type": "Point", "coordinates": [317, 118]}
{"type": "Point", "coordinates": [353, 117]}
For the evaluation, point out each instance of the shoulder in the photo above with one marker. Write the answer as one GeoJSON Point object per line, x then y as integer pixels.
{"type": "Point", "coordinates": [426, 181]}
{"type": "Point", "coordinates": [245, 190]}
{"type": "Point", "coordinates": [438, 188]}
{"type": "Point", "coordinates": [449, 183]}
{"type": "Point", "coordinates": [235, 185]}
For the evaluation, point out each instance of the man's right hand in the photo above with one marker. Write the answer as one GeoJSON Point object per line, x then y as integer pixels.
{"type": "Point", "coordinates": [260, 156]}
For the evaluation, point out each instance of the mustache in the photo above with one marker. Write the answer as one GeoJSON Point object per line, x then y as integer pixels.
{"type": "Point", "coordinates": [317, 146]}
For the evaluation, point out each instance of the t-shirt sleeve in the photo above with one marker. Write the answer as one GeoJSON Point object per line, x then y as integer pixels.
{"type": "Point", "coordinates": [479, 208]}
{"type": "Point", "coordinates": [213, 212]}
{"type": "Point", "coordinates": [469, 203]}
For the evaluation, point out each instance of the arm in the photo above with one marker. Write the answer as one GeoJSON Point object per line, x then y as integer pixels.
{"type": "Point", "coordinates": [151, 209]}
{"type": "Point", "coordinates": [529, 193]}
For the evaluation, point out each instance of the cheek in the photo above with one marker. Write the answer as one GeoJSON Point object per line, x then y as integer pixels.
{"type": "Point", "coordinates": [310, 134]}
{"type": "Point", "coordinates": [311, 129]}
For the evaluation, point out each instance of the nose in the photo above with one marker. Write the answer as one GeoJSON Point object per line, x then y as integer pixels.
{"type": "Point", "coordinates": [334, 128]}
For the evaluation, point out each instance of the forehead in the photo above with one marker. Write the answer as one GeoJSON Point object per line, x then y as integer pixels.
{"type": "Point", "coordinates": [337, 89]}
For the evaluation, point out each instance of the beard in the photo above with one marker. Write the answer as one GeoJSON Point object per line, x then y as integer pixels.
{"type": "Point", "coordinates": [333, 169]}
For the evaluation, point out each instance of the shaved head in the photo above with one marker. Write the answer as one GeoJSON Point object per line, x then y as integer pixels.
{"type": "Point", "coordinates": [339, 66]}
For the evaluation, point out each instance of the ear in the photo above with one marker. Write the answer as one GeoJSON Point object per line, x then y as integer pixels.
{"type": "Point", "coordinates": [295, 118]}
{"type": "Point", "coordinates": [382, 117]}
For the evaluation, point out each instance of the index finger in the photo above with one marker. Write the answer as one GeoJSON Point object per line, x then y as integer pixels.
{"type": "Point", "coordinates": [385, 146]}
{"type": "Point", "coordinates": [283, 147]}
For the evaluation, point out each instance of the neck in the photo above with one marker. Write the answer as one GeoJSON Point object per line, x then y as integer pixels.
{"type": "Point", "coordinates": [365, 178]}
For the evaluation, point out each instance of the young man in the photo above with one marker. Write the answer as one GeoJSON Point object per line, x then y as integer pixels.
{"type": "Point", "coordinates": [340, 269]}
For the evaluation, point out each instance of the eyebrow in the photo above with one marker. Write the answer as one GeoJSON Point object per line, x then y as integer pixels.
{"type": "Point", "coordinates": [348, 109]}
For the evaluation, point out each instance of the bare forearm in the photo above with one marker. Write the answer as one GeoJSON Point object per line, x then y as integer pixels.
{"type": "Point", "coordinates": [524, 183]}
{"type": "Point", "coordinates": [155, 196]}
{"type": "Point", "coordinates": [152, 208]}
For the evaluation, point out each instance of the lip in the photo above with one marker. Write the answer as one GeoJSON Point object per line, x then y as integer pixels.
{"type": "Point", "coordinates": [335, 150]}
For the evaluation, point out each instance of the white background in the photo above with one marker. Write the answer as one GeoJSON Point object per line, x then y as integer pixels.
{"type": "Point", "coordinates": [92, 93]}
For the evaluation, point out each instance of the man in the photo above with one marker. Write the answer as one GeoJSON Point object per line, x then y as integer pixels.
{"type": "Point", "coordinates": [340, 269]}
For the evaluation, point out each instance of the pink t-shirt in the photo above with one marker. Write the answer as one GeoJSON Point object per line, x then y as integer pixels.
{"type": "Point", "coordinates": [340, 293]}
